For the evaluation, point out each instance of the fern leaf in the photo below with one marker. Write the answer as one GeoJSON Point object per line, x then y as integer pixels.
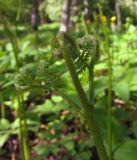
{"type": "Point", "coordinates": [83, 52]}
{"type": "Point", "coordinates": [37, 78]}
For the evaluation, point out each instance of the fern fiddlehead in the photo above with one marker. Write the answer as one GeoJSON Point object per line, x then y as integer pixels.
{"type": "Point", "coordinates": [89, 50]}
{"type": "Point", "coordinates": [37, 78]}
{"type": "Point", "coordinates": [41, 79]}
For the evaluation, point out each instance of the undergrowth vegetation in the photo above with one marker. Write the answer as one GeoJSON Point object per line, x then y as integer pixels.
{"type": "Point", "coordinates": [43, 106]}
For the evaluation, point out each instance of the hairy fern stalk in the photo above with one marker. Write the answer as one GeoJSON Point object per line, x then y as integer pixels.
{"type": "Point", "coordinates": [78, 55]}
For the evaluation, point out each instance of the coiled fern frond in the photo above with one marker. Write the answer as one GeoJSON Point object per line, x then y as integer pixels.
{"type": "Point", "coordinates": [37, 78]}
{"type": "Point", "coordinates": [84, 51]}
{"type": "Point", "coordinates": [89, 49]}
{"type": "Point", "coordinates": [69, 42]}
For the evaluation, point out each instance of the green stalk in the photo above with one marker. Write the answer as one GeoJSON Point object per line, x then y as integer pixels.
{"type": "Point", "coordinates": [92, 123]}
{"type": "Point", "coordinates": [13, 41]}
{"type": "Point", "coordinates": [19, 112]}
{"type": "Point", "coordinates": [109, 98]}
{"type": "Point", "coordinates": [90, 70]}
{"type": "Point", "coordinates": [84, 25]}
{"type": "Point", "coordinates": [37, 41]}
{"type": "Point", "coordinates": [25, 133]}
{"type": "Point", "coordinates": [23, 130]}
{"type": "Point", "coordinates": [75, 79]}
{"type": "Point", "coordinates": [109, 104]}
{"type": "Point", "coordinates": [3, 114]}
{"type": "Point", "coordinates": [18, 10]}
{"type": "Point", "coordinates": [91, 84]}
{"type": "Point", "coordinates": [89, 112]}
{"type": "Point", "coordinates": [109, 111]}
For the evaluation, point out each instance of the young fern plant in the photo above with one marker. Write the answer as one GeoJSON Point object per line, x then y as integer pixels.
{"type": "Point", "coordinates": [79, 56]}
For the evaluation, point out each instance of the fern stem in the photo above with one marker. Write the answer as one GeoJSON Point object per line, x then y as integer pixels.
{"type": "Point", "coordinates": [91, 84]}
{"type": "Point", "coordinates": [23, 130]}
{"type": "Point", "coordinates": [75, 79]}
{"type": "Point", "coordinates": [109, 100]}
{"type": "Point", "coordinates": [109, 105]}
{"type": "Point", "coordinates": [3, 114]}
{"type": "Point", "coordinates": [20, 128]}
{"type": "Point", "coordinates": [13, 41]}
{"type": "Point", "coordinates": [89, 112]}
{"type": "Point", "coordinates": [90, 117]}
{"type": "Point", "coordinates": [84, 25]}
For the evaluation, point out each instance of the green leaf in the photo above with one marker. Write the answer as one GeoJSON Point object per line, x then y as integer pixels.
{"type": "Point", "coordinates": [127, 151]}
{"type": "Point", "coordinates": [69, 145]}
{"type": "Point", "coordinates": [133, 83]}
{"type": "Point", "coordinates": [43, 150]}
{"type": "Point", "coordinates": [85, 144]}
{"type": "Point", "coordinates": [122, 90]}
{"type": "Point", "coordinates": [134, 128]}
{"type": "Point", "coordinates": [119, 71]}
{"type": "Point", "coordinates": [46, 107]}
{"type": "Point", "coordinates": [118, 132]}
{"type": "Point", "coordinates": [49, 106]}
{"type": "Point", "coordinates": [100, 85]}
{"type": "Point", "coordinates": [4, 131]}
{"type": "Point", "coordinates": [4, 124]}
{"type": "Point", "coordinates": [56, 99]}
{"type": "Point", "coordinates": [87, 155]}
{"type": "Point", "coordinates": [3, 139]}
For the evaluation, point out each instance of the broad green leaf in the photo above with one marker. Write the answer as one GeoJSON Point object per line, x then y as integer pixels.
{"type": "Point", "coordinates": [69, 145]}
{"type": "Point", "coordinates": [43, 150]}
{"type": "Point", "coordinates": [85, 144]}
{"type": "Point", "coordinates": [43, 108]}
{"type": "Point", "coordinates": [3, 139]}
{"type": "Point", "coordinates": [118, 132]}
{"type": "Point", "coordinates": [4, 131]}
{"type": "Point", "coordinates": [100, 85]}
{"type": "Point", "coordinates": [4, 124]}
{"type": "Point", "coordinates": [87, 155]}
{"type": "Point", "coordinates": [133, 83]}
{"type": "Point", "coordinates": [118, 72]}
{"type": "Point", "coordinates": [15, 125]}
{"type": "Point", "coordinates": [122, 90]}
{"type": "Point", "coordinates": [127, 151]}
{"type": "Point", "coordinates": [50, 106]}
{"type": "Point", "coordinates": [134, 128]}
{"type": "Point", "coordinates": [56, 99]}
